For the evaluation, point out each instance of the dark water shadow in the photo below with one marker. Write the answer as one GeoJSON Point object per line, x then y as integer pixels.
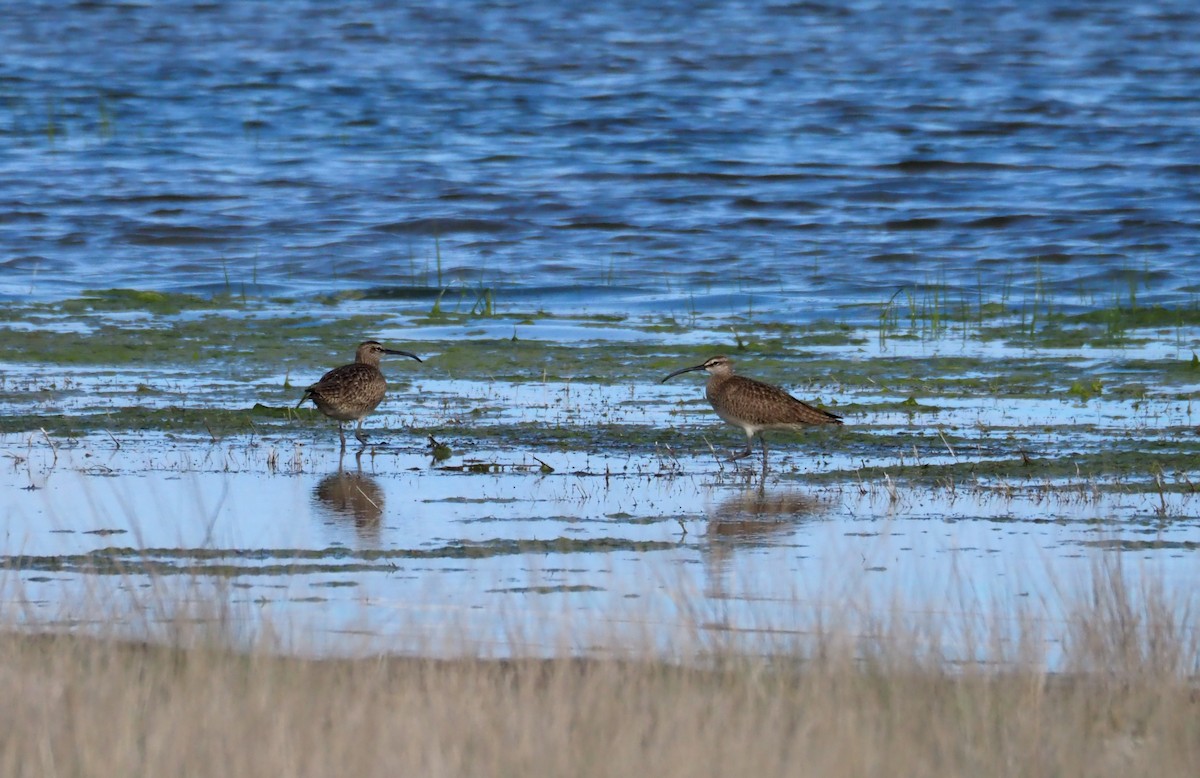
{"type": "Point", "coordinates": [757, 514]}
{"type": "Point", "coordinates": [750, 518]}
{"type": "Point", "coordinates": [352, 498]}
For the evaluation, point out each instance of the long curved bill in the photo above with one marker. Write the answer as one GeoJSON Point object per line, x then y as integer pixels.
{"type": "Point", "coordinates": [682, 370]}
{"type": "Point", "coordinates": [401, 354]}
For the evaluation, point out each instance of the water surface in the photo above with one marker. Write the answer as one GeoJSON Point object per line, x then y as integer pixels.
{"type": "Point", "coordinates": [787, 156]}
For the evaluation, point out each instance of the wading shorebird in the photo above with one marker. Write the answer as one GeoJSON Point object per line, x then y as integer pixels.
{"type": "Point", "coordinates": [753, 405]}
{"type": "Point", "coordinates": [350, 392]}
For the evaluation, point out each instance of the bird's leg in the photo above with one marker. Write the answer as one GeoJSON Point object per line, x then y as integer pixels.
{"type": "Point", "coordinates": [342, 435]}
{"type": "Point", "coordinates": [743, 454]}
{"type": "Point", "coordinates": [763, 440]}
{"type": "Point", "coordinates": [358, 433]}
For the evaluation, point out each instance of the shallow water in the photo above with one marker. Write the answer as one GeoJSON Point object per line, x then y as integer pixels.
{"type": "Point", "coordinates": [433, 558]}
{"type": "Point", "coordinates": [952, 224]}
{"type": "Point", "coordinates": [518, 543]}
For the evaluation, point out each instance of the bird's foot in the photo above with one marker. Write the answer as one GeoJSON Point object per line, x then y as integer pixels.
{"type": "Point", "coordinates": [365, 440]}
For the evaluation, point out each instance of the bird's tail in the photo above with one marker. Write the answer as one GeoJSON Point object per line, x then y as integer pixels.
{"type": "Point", "coordinates": [815, 415]}
{"type": "Point", "coordinates": [832, 418]}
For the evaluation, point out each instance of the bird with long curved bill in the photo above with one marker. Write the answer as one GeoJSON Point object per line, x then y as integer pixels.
{"type": "Point", "coordinates": [350, 392]}
{"type": "Point", "coordinates": [753, 405]}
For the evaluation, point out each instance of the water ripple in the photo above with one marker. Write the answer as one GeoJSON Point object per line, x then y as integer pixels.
{"type": "Point", "coordinates": [706, 151]}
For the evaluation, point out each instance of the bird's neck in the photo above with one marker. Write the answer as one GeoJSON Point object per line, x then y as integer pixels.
{"type": "Point", "coordinates": [716, 381]}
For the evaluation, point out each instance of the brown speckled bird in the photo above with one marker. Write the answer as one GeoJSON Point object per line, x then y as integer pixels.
{"type": "Point", "coordinates": [350, 392]}
{"type": "Point", "coordinates": [753, 405]}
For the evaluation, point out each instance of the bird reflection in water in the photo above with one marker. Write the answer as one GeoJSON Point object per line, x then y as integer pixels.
{"type": "Point", "coordinates": [758, 513]}
{"type": "Point", "coordinates": [751, 518]}
{"type": "Point", "coordinates": [352, 497]}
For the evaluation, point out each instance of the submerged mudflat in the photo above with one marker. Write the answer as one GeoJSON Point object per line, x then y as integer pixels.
{"type": "Point", "coordinates": [532, 478]}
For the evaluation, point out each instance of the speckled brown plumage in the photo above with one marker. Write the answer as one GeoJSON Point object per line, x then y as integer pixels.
{"type": "Point", "coordinates": [350, 392]}
{"type": "Point", "coordinates": [753, 405]}
{"type": "Point", "coordinates": [745, 402]}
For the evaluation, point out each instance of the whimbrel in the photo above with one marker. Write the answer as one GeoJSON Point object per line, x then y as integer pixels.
{"type": "Point", "coordinates": [753, 405]}
{"type": "Point", "coordinates": [350, 392]}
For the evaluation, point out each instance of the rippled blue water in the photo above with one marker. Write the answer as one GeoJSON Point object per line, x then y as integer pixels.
{"type": "Point", "coordinates": [806, 154]}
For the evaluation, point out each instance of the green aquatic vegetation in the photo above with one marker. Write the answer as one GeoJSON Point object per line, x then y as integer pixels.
{"type": "Point", "coordinates": [435, 313]}
{"type": "Point", "coordinates": [929, 313]}
{"type": "Point", "coordinates": [159, 303]}
{"type": "Point", "coordinates": [1130, 391]}
{"type": "Point", "coordinates": [1186, 371]}
{"type": "Point", "coordinates": [841, 337]}
{"type": "Point", "coordinates": [166, 339]}
{"type": "Point", "coordinates": [104, 120]}
{"type": "Point", "coordinates": [1126, 544]}
{"type": "Point", "coordinates": [1086, 390]}
{"type": "Point", "coordinates": [438, 450]}
{"type": "Point", "coordinates": [539, 436]}
{"type": "Point", "coordinates": [334, 299]}
{"type": "Point", "coordinates": [1175, 369]}
{"type": "Point", "coordinates": [670, 327]}
{"type": "Point", "coordinates": [1057, 333]}
{"type": "Point", "coordinates": [889, 317]}
{"type": "Point", "coordinates": [1131, 318]}
{"type": "Point", "coordinates": [1123, 469]}
{"type": "Point", "coordinates": [485, 303]}
{"type": "Point", "coordinates": [237, 562]}
{"type": "Point", "coordinates": [260, 346]}
{"type": "Point", "coordinates": [908, 405]}
{"type": "Point", "coordinates": [1110, 327]}
{"type": "Point", "coordinates": [211, 421]}
{"type": "Point", "coordinates": [52, 127]}
{"type": "Point", "coordinates": [1052, 335]}
{"type": "Point", "coordinates": [942, 376]}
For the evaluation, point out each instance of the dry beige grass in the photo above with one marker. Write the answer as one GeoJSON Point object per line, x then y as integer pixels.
{"type": "Point", "coordinates": [82, 707]}
{"type": "Point", "coordinates": [79, 706]}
